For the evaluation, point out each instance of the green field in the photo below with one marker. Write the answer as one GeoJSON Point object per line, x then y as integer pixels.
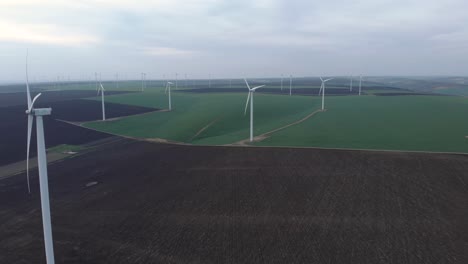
{"type": "Point", "coordinates": [192, 112]}
{"type": "Point", "coordinates": [420, 123]}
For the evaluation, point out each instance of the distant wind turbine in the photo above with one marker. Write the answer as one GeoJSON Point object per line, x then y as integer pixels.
{"type": "Point", "coordinates": [117, 80]}
{"type": "Point", "coordinates": [250, 97]}
{"type": "Point", "coordinates": [360, 81]}
{"type": "Point", "coordinates": [42, 166]}
{"type": "Point", "coordinates": [95, 76]}
{"type": "Point", "coordinates": [101, 89]}
{"type": "Point", "coordinates": [290, 85]}
{"type": "Point", "coordinates": [351, 85]}
{"type": "Point", "coordinates": [322, 89]}
{"type": "Point", "coordinates": [168, 88]}
{"type": "Point", "coordinates": [176, 83]}
{"type": "Point", "coordinates": [281, 82]}
{"type": "Point", "coordinates": [142, 82]}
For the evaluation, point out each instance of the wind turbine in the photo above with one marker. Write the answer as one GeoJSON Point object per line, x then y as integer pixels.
{"type": "Point", "coordinates": [351, 85]}
{"type": "Point", "coordinates": [117, 80]}
{"type": "Point", "coordinates": [101, 89]}
{"type": "Point", "coordinates": [290, 85]}
{"type": "Point", "coordinates": [176, 81]}
{"type": "Point", "coordinates": [322, 89]}
{"type": "Point", "coordinates": [360, 81]}
{"type": "Point", "coordinates": [281, 82]}
{"type": "Point", "coordinates": [209, 81]}
{"type": "Point", "coordinates": [42, 166]}
{"type": "Point", "coordinates": [250, 97]}
{"type": "Point", "coordinates": [168, 87]}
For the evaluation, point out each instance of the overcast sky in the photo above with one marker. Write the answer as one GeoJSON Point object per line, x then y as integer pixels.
{"type": "Point", "coordinates": [232, 38]}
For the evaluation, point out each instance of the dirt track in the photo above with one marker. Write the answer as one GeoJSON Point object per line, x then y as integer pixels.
{"type": "Point", "coordinates": [183, 204]}
{"type": "Point", "coordinates": [267, 134]}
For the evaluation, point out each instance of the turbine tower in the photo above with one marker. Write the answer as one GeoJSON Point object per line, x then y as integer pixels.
{"type": "Point", "coordinates": [42, 166]}
{"type": "Point", "coordinates": [95, 76]}
{"type": "Point", "coordinates": [290, 85]}
{"type": "Point", "coordinates": [322, 89]}
{"type": "Point", "coordinates": [117, 80]}
{"type": "Point", "coordinates": [250, 97]}
{"type": "Point", "coordinates": [281, 82]}
{"type": "Point", "coordinates": [101, 89]}
{"type": "Point", "coordinates": [360, 81]}
{"type": "Point", "coordinates": [168, 88]}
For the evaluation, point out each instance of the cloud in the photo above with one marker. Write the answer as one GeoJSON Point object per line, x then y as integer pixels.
{"type": "Point", "coordinates": [166, 51]}
{"type": "Point", "coordinates": [377, 36]}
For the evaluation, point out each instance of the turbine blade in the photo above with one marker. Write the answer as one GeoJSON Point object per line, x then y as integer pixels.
{"type": "Point", "coordinates": [321, 79]}
{"type": "Point", "coordinates": [321, 87]}
{"type": "Point", "coordinates": [247, 103]}
{"type": "Point", "coordinates": [248, 86]}
{"type": "Point", "coordinates": [255, 88]}
{"type": "Point", "coordinates": [28, 94]}
{"type": "Point", "coordinates": [30, 123]}
{"type": "Point", "coordinates": [34, 100]}
{"type": "Point", "coordinates": [328, 80]}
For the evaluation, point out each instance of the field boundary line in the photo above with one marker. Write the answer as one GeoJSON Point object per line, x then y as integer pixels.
{"type": "Point", "coordinates": [152, 140]}
{"type": "Point", "coordinates": [115, 118]}
{"type": "Point", "coordinates": [204, 128]}
{"type": "Point", "coordinates": [269, 133]}
{"type": "Point", "coordinates": [169, 142]}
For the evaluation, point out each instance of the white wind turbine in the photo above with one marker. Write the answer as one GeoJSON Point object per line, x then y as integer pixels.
{"type": "Point", "coordinates": [322, 90]}
{"type": "Point", "coordinates": [42, 166]}
{"type": "Point", "coordinates": [281, 82]}
{"type": "Point", "coordinates": [168, 88]}
{"type": "Point", "coordinates": [143, 81]}
{"type": "Point", "coordinates": [95, 76]}
{"type": "Point", "coordinates": [101, 89]}
{"type": "Point", "coordinates": [351, 85]}
{"type": "Point", "coordinates": [360, 81]}
{"type": "Point", "coordinates": [117, 80]}
{"type": "Point", "coordinates": [250, 97]}
{"type": "Point", "coordinates": [290, 85]}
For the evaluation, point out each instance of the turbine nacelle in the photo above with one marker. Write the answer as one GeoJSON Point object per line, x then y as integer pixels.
{"type": "Point", "coordinates": [251, 90]}
{"type": "Point", "coordinates": [39, 111]}
{"type": "Point", "coordinates": [101, 88]}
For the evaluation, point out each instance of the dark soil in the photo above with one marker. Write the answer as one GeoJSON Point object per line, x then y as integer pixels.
{"type": "Point", "coordinates": [295, 91]}
{"type": "Point", "coordinates": [180, 204]}
{"type": "Point", "coordinates": [14, 125]}
{"type": "Point", "coordinates": [400, 94]}
{"type": "Point", "coordinates": [17, 99]}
